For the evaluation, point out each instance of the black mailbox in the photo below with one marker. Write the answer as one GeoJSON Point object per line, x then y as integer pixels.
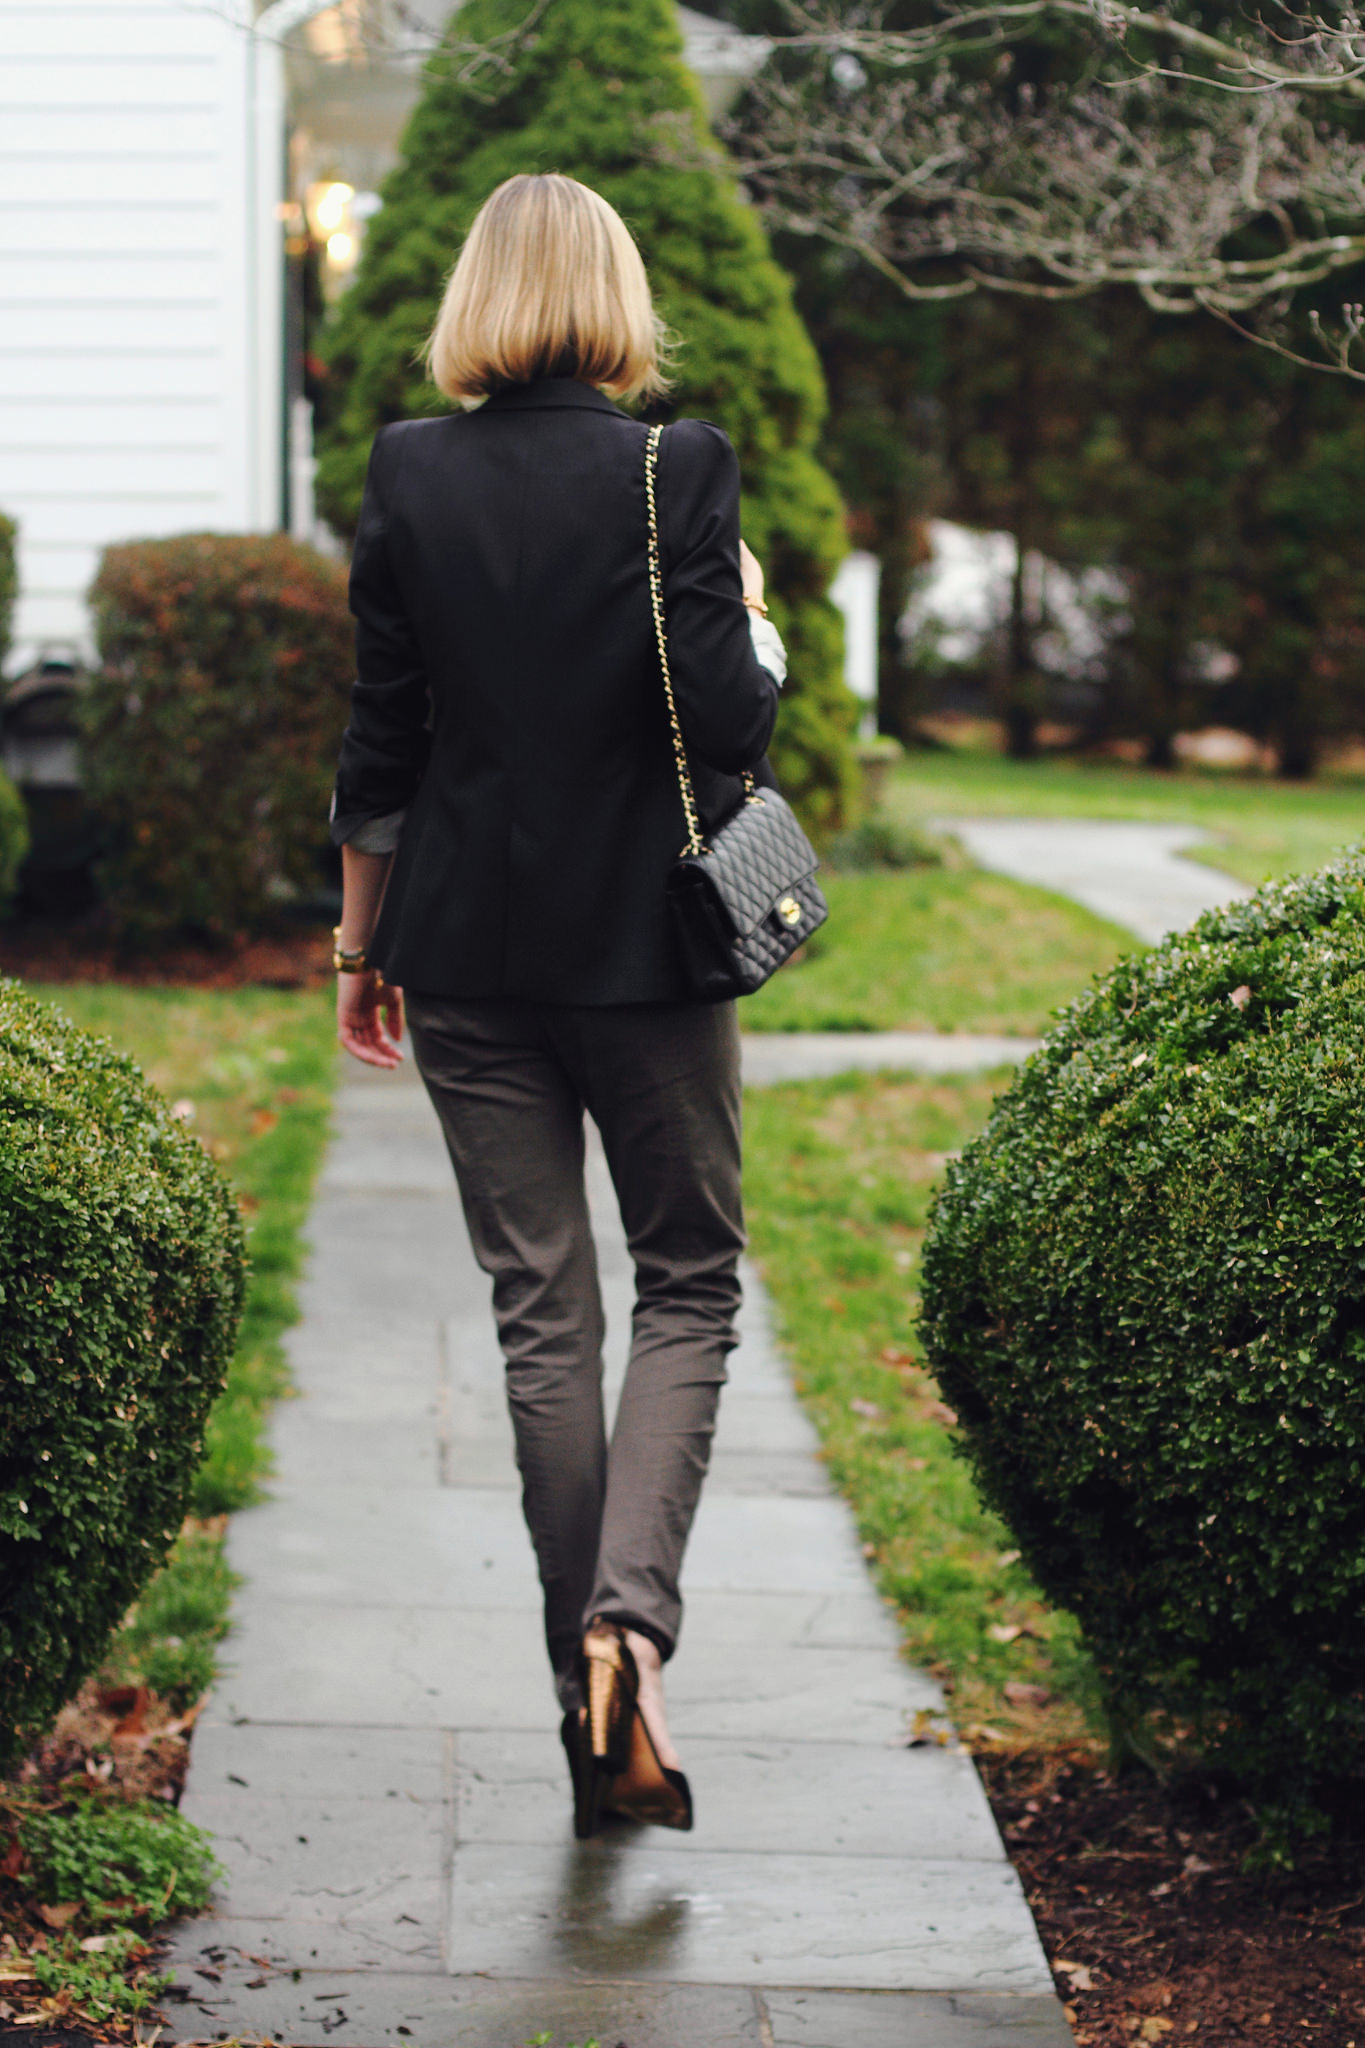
{"type": "Point", "coordinates": [40, 741]}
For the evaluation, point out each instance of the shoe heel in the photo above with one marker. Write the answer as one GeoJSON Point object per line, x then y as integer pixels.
{"type": "Point", "coordinates": [604, 1671]}
{"type": "Point", "coordinates": [611, 1701]}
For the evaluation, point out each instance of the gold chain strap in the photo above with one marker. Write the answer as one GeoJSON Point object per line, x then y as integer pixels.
{"type": "Point", "coordinates": [656, 599]}
{"type": "Point", "coordinates": [695, 842]}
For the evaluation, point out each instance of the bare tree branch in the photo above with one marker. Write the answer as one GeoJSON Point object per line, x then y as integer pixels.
{"type": "Point", "coordinates": [951, 176]}
{"type": "Point", "coordinates": [1326, 55]}
{"type": "Point", "coordinates": [1130, 185]}
{"type": "Point", "coordinates": [396, 31]}
{"type": "Point", "coordinates": [1336, 344]}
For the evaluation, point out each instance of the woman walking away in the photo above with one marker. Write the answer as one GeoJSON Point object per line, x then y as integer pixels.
{"type": "Point", "coordinates": [508, 810]}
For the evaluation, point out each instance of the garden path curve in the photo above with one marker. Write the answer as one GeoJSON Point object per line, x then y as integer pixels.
{"type": "Point", "coordinates": [380, 1762]}
{"type": "Point", "coordinates": [1130, 873]}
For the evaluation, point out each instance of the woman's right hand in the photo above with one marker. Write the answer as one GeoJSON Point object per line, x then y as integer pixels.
{"type": "Point", "coordinates": [370, 1019]}
{"type": "Point", "coordinates": [751, 573]}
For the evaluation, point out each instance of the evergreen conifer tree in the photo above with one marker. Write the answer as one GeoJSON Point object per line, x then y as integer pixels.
{"type": "Point", "coordinates": [585, 95]}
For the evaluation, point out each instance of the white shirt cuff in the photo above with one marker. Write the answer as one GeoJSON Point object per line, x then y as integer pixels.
{"type": "Point", "coordinates": [768, 648]}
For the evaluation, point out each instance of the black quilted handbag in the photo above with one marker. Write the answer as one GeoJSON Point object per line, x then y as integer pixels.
{"type": "Point", "coordinates": [742, 905]}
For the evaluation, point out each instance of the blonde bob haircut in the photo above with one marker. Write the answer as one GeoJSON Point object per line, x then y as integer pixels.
{"type": "Point", "coordinates": [549, 283]}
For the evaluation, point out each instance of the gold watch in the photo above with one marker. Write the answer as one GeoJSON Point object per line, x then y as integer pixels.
{"type": "Point", "coordinates": [347, 960]}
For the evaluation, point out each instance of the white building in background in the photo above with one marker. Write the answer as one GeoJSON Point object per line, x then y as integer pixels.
{"type": "Point", "coordinates": [141, 159]}
{"type": "Point", "coordinates": [156, 159]}
{"type": "Point", "coordinates": [856, 592]}
{"type": "Point", "coordinates": [961, 603]}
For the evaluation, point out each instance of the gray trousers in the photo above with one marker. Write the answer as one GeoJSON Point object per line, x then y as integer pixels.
{"type": "Point", "coordinates": [510, 1082]}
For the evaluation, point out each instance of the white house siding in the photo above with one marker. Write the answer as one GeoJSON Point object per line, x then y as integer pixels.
{"type": "Point", "coordinates": [141, 171]}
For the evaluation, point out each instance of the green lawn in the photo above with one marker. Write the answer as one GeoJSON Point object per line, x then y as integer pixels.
{"type": "Point", "coordinates": [1262, 826]}
{"type": "Point", "coordinates": [953, 949]}
{"type": "Point", "coordinates": [936, 949]}
{"type": "Point", "coordinates": [838, 1177]}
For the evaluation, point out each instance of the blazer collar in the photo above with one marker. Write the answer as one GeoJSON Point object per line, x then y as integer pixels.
{"type": "Point", "coordinates": [549, 391]}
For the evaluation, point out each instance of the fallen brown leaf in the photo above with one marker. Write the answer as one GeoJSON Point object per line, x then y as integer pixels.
{"type": "Point", "coordinates": [60, 1916]}
{"type": "Point", "coordinates": [929, 1728]}
{"type": "Point", "coordinates": [134, 1718]}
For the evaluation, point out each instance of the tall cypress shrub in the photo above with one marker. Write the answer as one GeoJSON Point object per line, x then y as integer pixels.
{"type": "Point", "coordinates": [592, 92]}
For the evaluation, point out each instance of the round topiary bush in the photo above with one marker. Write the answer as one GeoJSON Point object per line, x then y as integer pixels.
{"type": "Point", "coordinates": [121, 1276]}
{"type": "Point", "coordinates": [1144, 1294]}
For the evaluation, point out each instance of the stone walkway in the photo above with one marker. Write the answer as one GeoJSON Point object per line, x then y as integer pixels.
{"type": "Point", "coordinates": [380, 1763]}
{"type": "Point", "coordinates": [1131, 874]}
{"type": "Point", "coordinates": [771, 1056]}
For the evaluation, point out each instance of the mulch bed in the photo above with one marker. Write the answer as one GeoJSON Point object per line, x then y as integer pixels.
{"type": "Point", "coordinates": [80, 949]}
{"type": "Point", "coordinates": [54, 2037]}
{"type": "Point", "coordinates": [1155, 1930]}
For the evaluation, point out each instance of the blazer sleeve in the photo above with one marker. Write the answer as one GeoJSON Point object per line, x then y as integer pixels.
{"type": "Point", "coordinates": [727, 700]}
{"type": "Point", "coordinates": [385, 747]}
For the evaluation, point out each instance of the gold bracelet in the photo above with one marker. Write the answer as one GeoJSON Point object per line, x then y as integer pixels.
{"type": "Point", "coordinates": [347, 960]}
{"type": "Point", "coordinates": [756, 604]}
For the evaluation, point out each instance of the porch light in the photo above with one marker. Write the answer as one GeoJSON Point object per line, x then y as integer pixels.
{"type": "Point", "coordinates": [329, 209]}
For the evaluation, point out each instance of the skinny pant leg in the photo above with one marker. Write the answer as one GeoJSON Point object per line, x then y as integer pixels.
{"type": "Point", "coordinates": [513, 1125]}
{"type": "Point", "coordinates": [662, 1084]}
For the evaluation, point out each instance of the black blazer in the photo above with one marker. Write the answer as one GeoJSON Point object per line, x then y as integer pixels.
{"type": "Point", "coordinates": [509, 695]}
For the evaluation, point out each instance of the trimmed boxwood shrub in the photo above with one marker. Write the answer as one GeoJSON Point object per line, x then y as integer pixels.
{"type": "Point", "coordinates": [121, 1277]}
{"type": "Point", "coordinates": [1144, 1294]}
{"type": "Point", "coordinates": [211, 730]}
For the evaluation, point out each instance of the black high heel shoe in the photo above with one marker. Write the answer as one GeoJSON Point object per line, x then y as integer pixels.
{"type": "Point", "coordinates": [630, 1780]}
